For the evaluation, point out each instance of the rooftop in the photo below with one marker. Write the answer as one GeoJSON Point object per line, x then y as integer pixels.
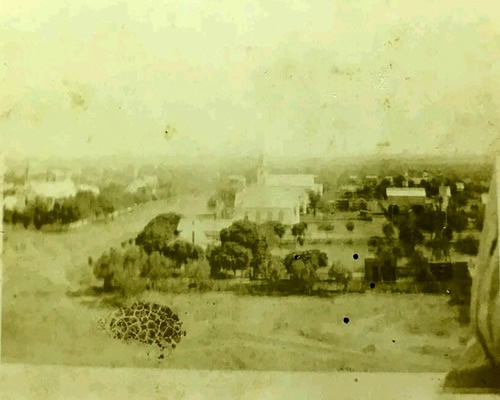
{"type": "Point", "coordinates": [268, 197]}
{"type": "Point", "coordinates": [406, 192]}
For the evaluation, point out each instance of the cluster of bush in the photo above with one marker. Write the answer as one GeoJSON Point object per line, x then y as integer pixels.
{"type": "Point", "coordinates": [132, 270]}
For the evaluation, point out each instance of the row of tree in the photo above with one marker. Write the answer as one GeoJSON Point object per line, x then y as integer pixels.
{"type": "Point", "coordinates": [157, 253]}
{"type": "Point", "coordinates": [83, 205]}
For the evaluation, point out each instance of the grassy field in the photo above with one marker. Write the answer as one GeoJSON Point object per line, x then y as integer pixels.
{"type": "Point", "coordinates": [42, 323]}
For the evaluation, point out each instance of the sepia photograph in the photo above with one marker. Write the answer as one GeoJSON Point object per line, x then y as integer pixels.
{"type": "Point", "coordinates": [252, 187]}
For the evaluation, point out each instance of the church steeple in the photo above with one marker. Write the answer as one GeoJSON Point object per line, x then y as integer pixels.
{"type": "Point", "coordinates": [262, 169]}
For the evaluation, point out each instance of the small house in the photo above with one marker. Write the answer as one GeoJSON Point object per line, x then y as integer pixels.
{"type": "Point", "coordinates": [399, 199]}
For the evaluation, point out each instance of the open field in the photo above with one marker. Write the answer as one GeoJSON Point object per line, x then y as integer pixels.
{"type": "Point", "coordinates": [42, 324]}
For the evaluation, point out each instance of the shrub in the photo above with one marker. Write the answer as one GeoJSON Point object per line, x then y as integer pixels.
{"type": "Point", "coordinates": [468, 245]}
{"type": "Point", "coordinates": [349, 226]}
{"type": "Point", "coordinates": [326, 227]}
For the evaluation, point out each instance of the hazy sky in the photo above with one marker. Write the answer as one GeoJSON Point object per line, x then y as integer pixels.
{"type": "Point", "coordinates": [227, 76]}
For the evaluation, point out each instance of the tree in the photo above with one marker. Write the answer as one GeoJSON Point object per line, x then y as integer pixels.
{"type": "Point", "coordinates": [314, 198]}
{"type": "Point", "coordinates": [122, 271]}
{"type": "Point", "coordinates": [182, 251]}
{"type": "Point", "coordinates": [280, 230]}
{"type": "Point", "coordinates": [409, 233]}
{"type": "Point", "coordinates": [198, 273]}
{"type": "Point", "coordinates": [27, 218]}
{"type": "Point", "coordinates": [340, 274]}
{"type": "Point", "coordinates": [114, 197]}
{"type": "Point", "coordinates": [87, 204]}
{"type": "Point", "coordinates": [134, 260]}
{"type": "Point", "coordinates": [40, 214]}
{"type": "Point", "coordinates": [380, 189]}
{"type": "Point", "coordinates": [458, 220]}
{"type": "Point", "coordinates": [298, 231]}
{"type": "Point", "coordinates": [480, 219]}
{"type": "Point", "coordinates": [467, 245]}
{"type": "Point", "coordinates": [229, 256]}
{"type": "Point", "coordinates": [349, 226]}
{"type": "Point", "coordinates": [247, 234]}
{"type": "Point", "coordinates": [365, 192]}
{"type": "Point", "coordinates": [387, 250]}
{"type": "Point", "coordinates": [388, 230]}
{"type": "Point", "coordinates": [431, 221]}
{"type": "Point", "coordinates": [432, 187]}
{"type": "Point", "coordinates": [398, 181]}
{"type": "Point", "coordinates": [70, 211]}
{"type": "Point", "coordinates": [326, 207]}
{"type": "Point", "coordinates": [267, 229]}
{"type": "Point", "coordinates": [440, 245]}
{"type": "Point", "coordinates": [105, 204]}
{"type": "Point", "coordinates": [158, 233]}
{"type": "Point", "coordinates": [107, 266]}
{"type": "Point", "coordinates": [157, 267]}
{"type": "Point", "coordinates": [419, 266]}
{"type": "Point", "coordinates": [326, 227]}
{"type": "Point", "coordinates": [274, 269]}
{"type": "Point", "coordinates": [302, 268]}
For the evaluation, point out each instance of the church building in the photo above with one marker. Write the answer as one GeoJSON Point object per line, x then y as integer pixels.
{"type": "Point", "coordinates": [276, 197]}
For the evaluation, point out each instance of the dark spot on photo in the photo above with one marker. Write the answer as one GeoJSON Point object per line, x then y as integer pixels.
{"type": "Point", "coordinates": [346, 320]}
{"type": "Point", "coordinates": [77, 101]}
{"type": "Point", "coordinates": [355, 256]}
{"type": "Point", "coordinates": [297, 256]}
{"type": "Point", "coordinates": [372, 285]}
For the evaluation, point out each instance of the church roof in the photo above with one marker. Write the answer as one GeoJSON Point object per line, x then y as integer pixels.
{"type": "Point", "coordinates": [268, 197]}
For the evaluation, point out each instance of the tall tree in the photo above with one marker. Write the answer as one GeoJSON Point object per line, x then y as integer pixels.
{"type": "Point", "coordinates": [182, 252]}
{"type": "Point", "coordinates": [158, 233]}
{"type": "Point", "coordinates": [302, 268]}
{"type": "Point", "coordinates": [247, 234]}
{"type": "Point", "coordinates": [314, 199]}
{"type": "Point", "coordinates": [299, 230]}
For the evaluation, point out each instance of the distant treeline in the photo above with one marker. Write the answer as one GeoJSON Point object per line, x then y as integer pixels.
{"type": "Point", "coordinates": [84, 205]}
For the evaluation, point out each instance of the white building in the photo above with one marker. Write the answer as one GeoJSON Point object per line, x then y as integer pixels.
{"type": "Point", "coordinates": [269, 203]}
{"type": "Point", "coordinates": [405, 197]}
{"type": "Point", "coordinates": [302, 183]}
{"type": "Point", "coordinates": [201, 230]}
{"type": "Point", "coordinates": [50, 192]}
